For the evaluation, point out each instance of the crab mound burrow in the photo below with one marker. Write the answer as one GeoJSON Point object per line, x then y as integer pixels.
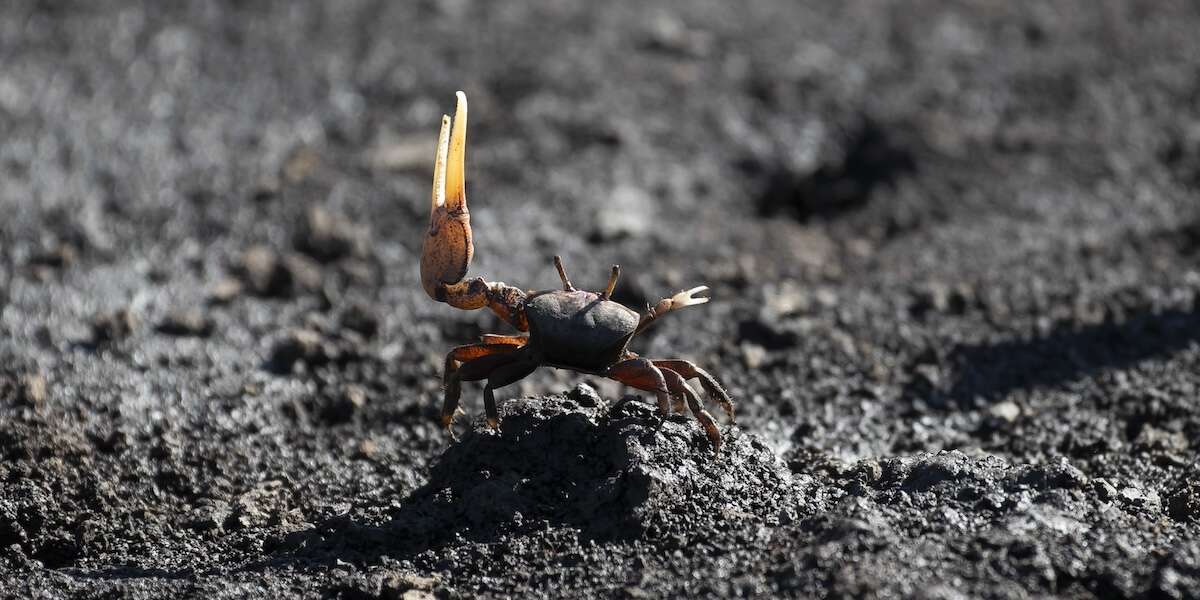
{"type": "Point", "coordinates": [561, 461]}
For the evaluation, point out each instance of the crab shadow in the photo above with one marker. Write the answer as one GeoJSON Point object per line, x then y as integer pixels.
{"type": "Point", "coordinates": [985, 373]}
{"type": "Point", "coordinates": [553, 464]}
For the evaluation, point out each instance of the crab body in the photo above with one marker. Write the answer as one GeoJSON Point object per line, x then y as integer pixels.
{"type": "Point", "coordinates": [571, 329]}
{"type": "Point", "coordinates": [579, 329]}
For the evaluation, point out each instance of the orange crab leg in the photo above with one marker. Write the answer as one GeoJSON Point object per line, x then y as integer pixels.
{"type": "Point", "coordinates": [500, 370]}
{"type": "Point", "coordinates": [689, 370]}
{"type": "Point", "coordinates": [679, 387]}
{"type": "Point", "coordinates": [451, 379]}
{"type": "Point", "coordinates": [642, 374]}
{"type": "Point", "coordinates": [506, 340]}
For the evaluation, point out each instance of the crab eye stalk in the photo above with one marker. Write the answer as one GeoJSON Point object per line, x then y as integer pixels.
{"type": "Point", "coordinates": [612, 282]}
{"type": "Point", "coordinates": [562, 274]}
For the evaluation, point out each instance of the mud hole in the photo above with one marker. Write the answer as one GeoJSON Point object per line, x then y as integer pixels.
{"type": "Point", "coordinates": [952, 250]}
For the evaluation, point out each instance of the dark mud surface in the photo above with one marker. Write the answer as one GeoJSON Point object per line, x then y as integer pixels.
{"type": "Point", "coordinates": [954, 251]}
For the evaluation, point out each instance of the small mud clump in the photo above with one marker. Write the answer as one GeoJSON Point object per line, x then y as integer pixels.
{"type": "Point", "coordinates": [268, 273]}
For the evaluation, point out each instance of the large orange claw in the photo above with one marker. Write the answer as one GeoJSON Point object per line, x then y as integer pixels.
{"type": "Point", "coordinates": [446, 254]}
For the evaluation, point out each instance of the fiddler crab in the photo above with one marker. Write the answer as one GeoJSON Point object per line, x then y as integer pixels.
{"type": "Point", "coordinates": [567, 329]}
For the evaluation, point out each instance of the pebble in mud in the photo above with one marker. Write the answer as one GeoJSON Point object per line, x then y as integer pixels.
{"type": "Point", "coordinates": [270, 274]}
{"type": "Point", "coordinates": [310, 347]}
{"type": "Point", "coordinates": [1177, 575]}
{"type": "Point", "coordinates": [327, 237]}
{"type": "Point", "coordinates": [33, 389]}
{"type": "Point", "coordinates": [390, 584]}
{"type": "Point", "coordinates": [263, 271]}
{"type": "Point", "coordinates": [1183, 502]}
{"type": "Point", "coordinates": [113, 326]}
{"type": "Point", "coordinates": [585, 395]}
{"type": "Point", "coordinates": [224, 291]}
{"type": "Point", "coordinates": [186, 322]}
{"type": "Point", "coordinates": [341, 407]}
{"type": "Point", "coordinates": [626, 214]}
{"type": "Point", "coordinates": [359, 317]}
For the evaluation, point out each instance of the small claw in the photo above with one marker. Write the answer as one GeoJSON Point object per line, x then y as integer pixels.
{"type": "Point", "coordinates": [494, 425]}
{"type": "Point", "coordinates": [681, 300]}
{"type": "Point", "coordinates": [447, 251]}
{"type": "Point", "coordinates": [689, 298]}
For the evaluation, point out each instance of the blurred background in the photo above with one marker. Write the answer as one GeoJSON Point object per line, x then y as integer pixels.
{"type": "Point", "coordinates": [927, 226]}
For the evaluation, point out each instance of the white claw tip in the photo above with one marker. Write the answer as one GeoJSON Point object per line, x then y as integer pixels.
{"type": "Point", "coordinates": [688, 297]}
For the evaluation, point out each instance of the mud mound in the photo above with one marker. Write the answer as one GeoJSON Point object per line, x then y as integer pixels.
{"type": "Point", "coordinates": [619, 477]}
{"type": "Point", "coordinates": [556, 463]}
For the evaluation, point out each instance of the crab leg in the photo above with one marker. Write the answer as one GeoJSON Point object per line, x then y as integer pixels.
{"type": "Point", "coordinates": [689, 370]}
{"type": "Point", "coordinates": [453, 382]}
{"type": "Point", "coordinates": [500, 370]}
{"type": "Point", "coordinates": [500, 378]}
{"type": "Point", "coordinates": [680, 388]}
{"type": "Point", "coordinates": [642, 374]}
{"type": "Point", "coordinates": [448, 248]}
{"type": "Point", "coordinates": [507, 340]}
{"type": "Point", "coordinates": [474, 370]}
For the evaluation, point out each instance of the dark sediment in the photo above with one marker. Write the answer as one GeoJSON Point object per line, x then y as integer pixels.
{"type": "Point", "coordinates": [953, 252]}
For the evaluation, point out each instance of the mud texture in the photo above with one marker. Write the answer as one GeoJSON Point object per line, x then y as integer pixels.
{"type": "Point", "coordinates": [954, 252]}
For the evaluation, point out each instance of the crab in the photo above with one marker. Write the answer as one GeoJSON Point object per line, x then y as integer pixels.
{"type": "Point", "coordinates": [566, 328]}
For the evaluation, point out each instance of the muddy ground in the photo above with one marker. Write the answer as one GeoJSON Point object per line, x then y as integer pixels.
{"type": "Point", "coordinates": [954, 252]}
